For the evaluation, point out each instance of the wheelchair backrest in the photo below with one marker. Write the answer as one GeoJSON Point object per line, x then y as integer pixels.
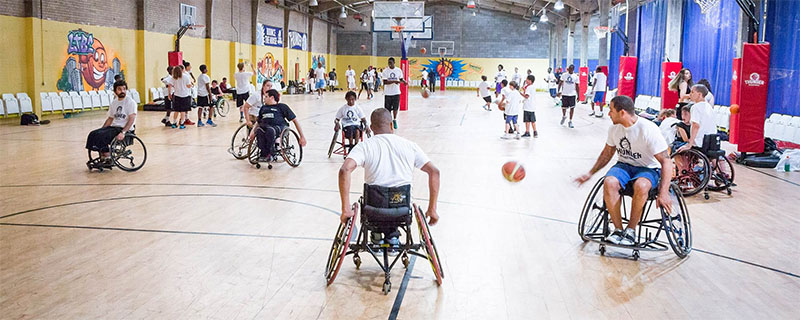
{"type": "Point", "coordinates": [386, 197]}
{"type": "Point", "coordinates": [711, 142]}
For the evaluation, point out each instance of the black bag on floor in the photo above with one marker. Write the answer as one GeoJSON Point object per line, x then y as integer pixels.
{"type": "Point", "coordinates": [28, 119]}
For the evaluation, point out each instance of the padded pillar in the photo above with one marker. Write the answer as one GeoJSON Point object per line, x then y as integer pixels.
{"type": "Point", "coordinates": [583, 78]}
{"type": "Point", "coordinates": [627, 76]}
{"type": "Point", "coordinates": [669, 70]}
{"type": "Point", "coordinates": [404, 87]}
{"type": "Point", "coordinates": [753, 82]}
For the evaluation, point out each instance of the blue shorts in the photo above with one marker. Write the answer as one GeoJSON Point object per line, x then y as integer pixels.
{"type": "Point", "coordinates": [553, 92]}
{"type": "Point", "coordinates": [511, 119]}
{"type": "Point", "coordinates": [598, 96]}
{"type": "Point", "coordinates": [321, 84]}
{"type": "Point", "coordinates": [626, 173]}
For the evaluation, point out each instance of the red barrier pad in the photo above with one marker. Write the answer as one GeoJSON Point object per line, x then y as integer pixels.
{"type": "Point", "coordinates": [627, 76]}
{"type": "Point", "coordinates": [403, 87]}
{"type": "Point", "coordinates": [175, 58]}
{"type": "Point", "coordinates": [669, 70]}
{"type": "Point", "coordinates": [753, 82]}
{"type": "Point", "coordinates": [583, 77]}
{"type": "Point", "coordinates": [734, 126]}
{"type": "Point", "coordinates": [604, 69]}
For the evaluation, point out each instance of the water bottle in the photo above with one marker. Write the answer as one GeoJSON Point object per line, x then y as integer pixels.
{"type": "Point", "coordinates": [786, 166]}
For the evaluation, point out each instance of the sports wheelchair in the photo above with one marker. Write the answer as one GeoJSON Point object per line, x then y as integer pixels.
{"type": "Point", "coordinates": [128, 154]}
{"type": "Point", "coordinates": [595, 223]}
{"type": "Point", "coordinates": [703, 169]}
{"type": "Point", "coordinates": [240, 143]}
{"type": "Point", "coordinates": [342, 147]}
{"type": "Point", "coordinates": [287, 144]}
{"type": "Point", "coordinates": [383, 209]}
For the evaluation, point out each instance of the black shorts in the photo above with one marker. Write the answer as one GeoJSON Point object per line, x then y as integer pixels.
{"type": "Point", "coordinates": [392, 103]}
{"type": "Point", "coordinates": [167, 104]}
{"type": "Point", "coordinates": [529, 116]}
{"type": "Point", "coordinates": [487, 98]}
{"type": "Point", "coordinates": [99, 139]}
{"type": "Point", "coordinates": [241, 98]}
{"type": "Point", "coordinates": [364, 86]}
{"type": "Point", "coordinates": [568, 101]}
{"type": "Point", "coordinates": [203, 101]}
{"type": "Point", "coordinates": [182, 104]}
{"type": "Point", "coordinates": [351, 132]}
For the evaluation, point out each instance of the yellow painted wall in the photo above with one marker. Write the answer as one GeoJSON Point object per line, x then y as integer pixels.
{"type": "Point", "coordinates": [15, 61]}
{"type": "Point", "coordinates": [299, 58]}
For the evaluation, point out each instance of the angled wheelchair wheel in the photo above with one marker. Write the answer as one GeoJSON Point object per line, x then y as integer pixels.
{"type": "Point", "coordinates": [692, 171]}
{"type": "Point", "coordinates": [240, 142]}
{"type": "Point", "coordinates": [223, 107]}
{"type": "Point", "coordinates": [129, 154]}
{"type": "Point", "coordinates": [333, 143]}
{"type": "Point", "coordinates": [677, 224]}
{"type": "Point", "coordinates": [590, 225]}
{"type": "Point", "coordinates": [339, 247]}
{"type": "Point", "coordinates": [722, 175]}
{"type": "Point", "coordinates": [429, 245]}
{"type": "Point", "coordinates": [291, 151]}
{"type": "Point", "coordinates": [253, 152]}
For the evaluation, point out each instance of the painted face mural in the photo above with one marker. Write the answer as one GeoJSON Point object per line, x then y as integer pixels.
{"type": "Point", "coordinates": [269, 68]}
{"type": "Point", "coordinates": [88, 65]}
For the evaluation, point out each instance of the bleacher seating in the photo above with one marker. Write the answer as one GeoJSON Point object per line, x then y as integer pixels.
{"type": "Point", "coordinates": [96, 102]}
{"type": "Point", "coordinates": [66, 101]}
{"type": "Point", "coordinates": [77, 102]}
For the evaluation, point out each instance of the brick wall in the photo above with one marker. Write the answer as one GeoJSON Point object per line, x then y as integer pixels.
{"type": "Point", "coordinates": [270, 15]}
{"type": "Point", "coordinates": [349, 43]}
{"type": "Point", "coordinates": [319, 38]}
{"type": "Point", "coordinates": [15, 8]}
{"type": "Point", "coordinates": [164, 16]}
{"type": "Point", "coordinates": [123, 14]}
{"type": "Point", "coordinates": [298, 22]}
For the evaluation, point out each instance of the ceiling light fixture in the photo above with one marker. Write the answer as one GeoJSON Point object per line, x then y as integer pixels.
{"type": "Point", "coordinates": [559, 5]}
{"type": "Point", "coordinates": [471, 4]}
{"type": "Point", "coordinates": [343, 15]}
{"type": "Point", "coordinates": [533, 27]}
{"type": "Point", "coordinates": [544, 17]}
{"type": "Point", "coordinates": [313, 3]}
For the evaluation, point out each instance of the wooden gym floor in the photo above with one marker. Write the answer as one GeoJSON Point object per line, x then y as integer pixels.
{"type": "Point", "coordinates": [198, 234]}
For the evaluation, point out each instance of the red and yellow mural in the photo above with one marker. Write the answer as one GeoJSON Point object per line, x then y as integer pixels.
{"type": "Point", "coordinates": [269, 68]}
{"type": "Point", "coordinates": [89, 65]}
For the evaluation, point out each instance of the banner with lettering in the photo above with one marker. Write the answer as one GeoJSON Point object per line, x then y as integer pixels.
{"type": "Point", "coordinates": [298, 40]}
{"type": "Point", "coordinates": [269, 35]}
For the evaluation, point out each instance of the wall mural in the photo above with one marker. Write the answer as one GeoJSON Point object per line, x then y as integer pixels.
{"type": "Point", "coordinates": [317, 60]}
{"type": "Point", "coordinates": [454, 69]}
{"type": "Point", "coordinates": [269, 68]}
{"type": "Point", "coordinates": [87, 64]}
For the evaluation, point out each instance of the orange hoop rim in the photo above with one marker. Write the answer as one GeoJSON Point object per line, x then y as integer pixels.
{"type": "Point", "coordinates": [398, 28]}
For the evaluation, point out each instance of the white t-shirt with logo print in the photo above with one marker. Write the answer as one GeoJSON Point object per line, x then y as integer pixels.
{"type": "Point", "coordinates": [350, 115]}
{"type": "Point", "coordinates": [551, 81]}
{"type": "Point", "coordinates": [388, 159]}
{"type": "Point", "coordinates": [350, 75]}
{"type": "Point", "coordinates": [121, 110]}
{"type": "Point", "coordinates": [703, 115]}
{"type": "Point", "coordinates": [395, 75]}
{"type": "Point", "coordinates": [638, 144]}
{"type": "Point", "coordinates": [501, 75]}
{"type": "Point", "coordinates": [600, 81]}
{"type": "Point", "coordinates": [569, 80]}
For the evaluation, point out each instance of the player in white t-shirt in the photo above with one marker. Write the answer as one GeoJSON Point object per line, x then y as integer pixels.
{"type": "Point", "coordinates": [498, 79]}
{"type": "Point", "coordinates": [255, 101]}
{"type": "Point", "coordinates": [393, 78]}
{"type": "Point", "coordinates": [167, 101]}
{"type": "Point", "coordinates": [424, 82]}
{"type": "Point", "coordinates": [552, 83]}
{"type": "Point", "coordinates": [569, 91]}
{"type": "Point", "coordinates": [600, 81]}
{"type": "Point", "coordinates": [702, 118]}
{"type": "Point", "coordinates": [516, 77]}
{"type": "Point", "coordinates": [512, 103]}
{"type": "Point", "coordinates": [351, 119]}
{"type": "Point", "coordinates": [242, 87]}
{"type": "Point", "coordinates": [529, 107]}
{"type": "Point", "coordinates": [319, 77]}
{"type": "Point", "coordinates": [121, 117]}
{"type": "Point", "coordinates": [483, 92]}
{"type": "Point", "coordinates": [204, 97]}
{"type": "Point", "coordinates": [389, 161]}
{"type": "Point", "coordinates": [350, 76]}
{"type": "Point", "coordinates": [642, 161]}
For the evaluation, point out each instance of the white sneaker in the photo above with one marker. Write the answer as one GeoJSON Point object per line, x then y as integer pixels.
{"type": "Point", "coordinates": [629, 237]}
{"type": "Point", "coordinates": [563, 119]}
{"type": "Point", "coordinates": [616, 236]}
{"type": "Point", "coordinates": [506, 136]}
{"type": "Point", "coordinates": [570, 124]}
{"type": "Point", "coordinates": [516, 136]}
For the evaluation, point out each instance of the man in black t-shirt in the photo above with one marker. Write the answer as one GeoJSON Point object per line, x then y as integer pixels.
{"type": "Point", "coordinates": [273, 117]}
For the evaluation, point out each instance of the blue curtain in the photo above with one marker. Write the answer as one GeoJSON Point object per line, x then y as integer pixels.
{"type": "Point", "coordinates": [617, 48]}
{"type": "Point", "coordinates": [651, 46]}
{"type": "Point", "coordinates": [783, 34]}
{"type": "Point", "coordinates": [709, 45]}
{"type": "Point", "coordinates": [577, 63]}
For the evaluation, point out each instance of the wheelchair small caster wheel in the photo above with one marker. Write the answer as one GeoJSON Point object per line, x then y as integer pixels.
{"type": "Point", "coordinates": [269, 166]}
{"type": "Point", "coordinates": [602, 250]}
{"type": "Point", "coordinates": [405, 261]}
{"type": "Point", "coordinates": [258, 166]}
{"type": "Point", "coordinates": [357, 261]}
{"type": "Point", "coordinates": [387, 287]}
{"type": "Point", "coordinates": [705, 196]}
{"type": "Point", "coordinates": [729, 191]}
{"type": "Point", "coordinates": [635, 255]}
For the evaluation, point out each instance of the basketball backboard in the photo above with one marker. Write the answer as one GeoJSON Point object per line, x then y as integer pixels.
{"type": "Point", "coordinates": [443, 48]}
{"type": "Point", "coordinates": [426, 34]}
{"type": "Point", "coordinates": [188, 15]}
{"type": "Point", "coordinates": [410, 15]}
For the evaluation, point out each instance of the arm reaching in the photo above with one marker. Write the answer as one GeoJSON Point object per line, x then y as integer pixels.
{"type": "Point", "coordinates": [664, 200]}
{"type": "Point", "coordinates": [344, 188]}
{"type": "Point", "coordinates": [602, 161]}
{"type": "Point", "coordinates": [433, 191]}
{"type": "Point", "coordinates": [300, 132]}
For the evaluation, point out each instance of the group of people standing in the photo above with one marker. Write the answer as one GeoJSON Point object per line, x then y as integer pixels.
{"type": "Point", "coordinates": [180, 99]}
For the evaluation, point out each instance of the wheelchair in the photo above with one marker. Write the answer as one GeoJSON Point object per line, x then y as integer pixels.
{"type": "Point", "coordinates": [595, 222]}
{"type": "Point", "coordinates": [222, 106]}
{"type": "Point", "coordinates": [240, 143]}
{"type": "Point", "coordinates": [128, 154]}
{"type": "Point", "coordinates": [383, 209]}
{"type": "Point", "coordinates": [287, 145]}
{"type": "Point", "coordinates": [342, 147]}
{"type": "Point", "coordinates": [698, 172]}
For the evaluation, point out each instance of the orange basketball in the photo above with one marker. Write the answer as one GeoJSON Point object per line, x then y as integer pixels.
{"type": "Point", "coordinates": [513, 171]}
{"type": "Point", "coordinates": [423, 50]}
{"type": "Point", "coordinates": [735, 109]}
{"type": "Point", "coordinates": [425, 94]}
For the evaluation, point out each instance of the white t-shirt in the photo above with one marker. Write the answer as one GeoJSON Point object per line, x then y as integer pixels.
{"type": "Point", "coordinates": [703, 115]}
{"type": "Point", "coordinates": [350, 116]}
{"type": "Point", "coordinates": [254, 100]}
{"type": "Point", "coordinates": [504, 91]}
{"type": "Point", "coordinates": [529, 104]}
{"type": "Point", "coordinates": [165, 80]}
{"type": "Point", "coordinates": [483, 89]}
{"type": "Point", "coordinates": [350, 75]}
{"type": "Point", "coordinates": [710, 98]}
{"type": "Point", "coordinates": [394, 75]}
{"type": "Point", "coordinates": [202, 80]}
{"type": "Point", "coordinates": [514, 100]}
{"type": "Point", "coordinates": [516, 78]}
{"type": "Point", "coordinates": [371, 74]}
{"type": "Point", "coordinates": [600, 81]}
{"type": "Point", "coordinates": [551, 80]}
{"type": "Point", "coordinates": [388, 159]}
{"type": "Point", "coordinates": [501, 75]}
{"type": "Point", "coordinates": [242, 81]}
{"type": "Point", "coordinates": [425, 75]}
{"type": "Point", "coordinates": [120, 110]}
{"type": "Point", "coordinates": [568, 88]}
{"type": "Point", "coordinates": [668, 129]}
{"type": "Point", "coordinates": [320, 73]}
{"type": "Point", "coordinates": [638, 144]}
{"type": "Point", "coordinates": [179, 85]}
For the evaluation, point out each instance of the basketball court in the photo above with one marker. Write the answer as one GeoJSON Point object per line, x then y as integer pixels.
{"type": "Point", "coordinates": [195, 233]}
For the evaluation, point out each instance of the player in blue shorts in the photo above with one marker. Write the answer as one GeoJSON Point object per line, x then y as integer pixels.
{"type": "Point", "coordinates": [600, 81]}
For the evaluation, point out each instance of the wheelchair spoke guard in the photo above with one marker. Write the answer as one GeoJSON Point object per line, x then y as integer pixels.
{"type": "Point", "coordinates": [429, 245]}
{"type": "Point", "coordinates": [129, 154]}
{"type": "Point", "coordinates": [290, 148]}
{"type": "Point", "coordinates": [339, 248]}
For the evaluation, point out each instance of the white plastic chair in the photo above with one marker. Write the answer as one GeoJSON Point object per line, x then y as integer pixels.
{"type": "Point", "coordinates": [655, 103]}
{"type": "Point", "coordinates": [105, 100]}
{"type": "Point", "coordinates": [641, 103]}
{"type": "Point", "coordinates": [2, 108]}
{"type": "Point", "coordinates": [77, 102]}
{"type": "Point", "coordinates": [86, 100]}
{"type": "Point", "coordinates": [25, 103]}
{"type": "Point", "coordinates": [784, 131]}
{"type": "Point", "coordinates": [12, 104]}
{"type": "Point", "coordinates": [55, 101]}
{"type": "Point", "coordinates": [154, 94]}
{"type": "Point", "coordinates": [725, 117]}
{"type": "Point", "coordinates": [96, 101]}
{"type": "Point", "coordinates": [135, 96]}
{"type": "Point", "coordinates": [47, 104]}
{"type": "Point", "coordinates": [66, 101]}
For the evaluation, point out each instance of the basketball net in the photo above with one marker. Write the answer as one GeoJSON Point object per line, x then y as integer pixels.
{"type": "Point", "coordinates": [601, 31]}
{"type": "Point", "coordinates": [706, 5]}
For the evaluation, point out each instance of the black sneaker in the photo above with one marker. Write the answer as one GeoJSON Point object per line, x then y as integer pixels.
{"type": "Point", "coordinates": [535, 134]}
{"type": "Point", "coordinates": [167, 124]}
{"type": "Point", "coordinates": [526, 134]}
{"type": "Point", "coordinates": [164, 120]}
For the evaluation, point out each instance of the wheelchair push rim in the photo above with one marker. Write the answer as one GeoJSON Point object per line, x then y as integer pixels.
{"type": "Point", "coordinates": [677, 225]}
{"type": "Point", "coordinates": [291, 151]}
{"type": "Point", "coordinates": [333, 143]}
{"type": "Point", "coordinates": [130, 154]}
{"type": "Point", "coordinates": [240, 142]}
{"type": "Point", "coordinates": [339, 247]}
{"type": "Point", "coordinates": [223, 107]}
{"type": "Point", "coordinates": [593, 214]}
{"type": "Point", "coordinates": [722, 177]}
{"type": "Point", "coordinates": [694, 175]}
{"type": "Point", "coordinates": [253, 152]}
{"type": "Point", "coordinates": [430, 246]}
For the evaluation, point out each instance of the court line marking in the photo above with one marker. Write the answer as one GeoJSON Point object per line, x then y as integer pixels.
{"type": "Point", "coordinates": [336, 212]}
{"type": "Point", "coordinates": [769, 175]}
{"type": "Point", "coordinates": [398, 300]}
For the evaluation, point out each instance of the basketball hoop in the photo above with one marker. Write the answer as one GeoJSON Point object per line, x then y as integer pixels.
{"type": "Point", "coordinates": [601, 31]}
{"type": "Point", "coordinates": [706, 5]}
{"type": "Point", "coordinates": [197, 29]}
{"type": "Point", "coordinates": [398, 29]}
{"type": "Point", "coordinates": [442, 51]}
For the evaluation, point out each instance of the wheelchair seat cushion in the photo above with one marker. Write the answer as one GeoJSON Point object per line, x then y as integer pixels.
{"type": "Point", "coordinates": [387, 216]}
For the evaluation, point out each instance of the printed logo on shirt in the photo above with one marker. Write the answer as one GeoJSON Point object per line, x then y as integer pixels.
{"type": "Point", "coordinates": [351, 116]}
{"type": "Point", "coordinates": [624, 150]}
{"type": "Point", "coordinates": [754, 80]}
{"type": "Point", "coordinates": [119, 115]}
